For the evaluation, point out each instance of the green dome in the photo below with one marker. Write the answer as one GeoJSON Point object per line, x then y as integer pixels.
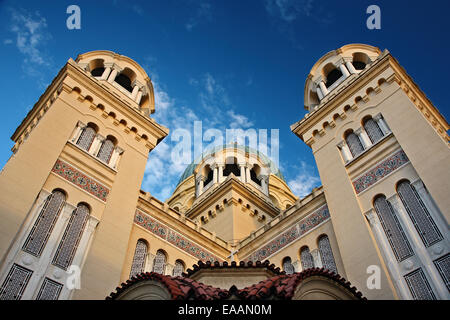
{"type": "Point", "coordinates": [190, 168]}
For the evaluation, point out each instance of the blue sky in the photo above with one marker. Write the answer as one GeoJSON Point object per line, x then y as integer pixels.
{"type": "Point", "coordinates": [227, 63]}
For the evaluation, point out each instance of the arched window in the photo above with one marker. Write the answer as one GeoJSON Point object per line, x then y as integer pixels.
{"type": "Point", "coordinates": [306, 258]}
{"type": "Point", "coordinates": [231, 167]}
{"type": "Point", "coordinates": [140, 255]}
{"type": "Point", "coordinates": [98, 72]}
{"type": "Point", "coordinates": [326, 254]}
{"type": "Point", "coordinates": [392, 228]}
{"type": "Point", "coordinates": [421, 218]}
{"type": "Point", "coordinates": [354, 144]}
{"type": "Point", "coordinates": [43, 226]}
{"type": "Point", "coordinates": [360, 60]}
{"type": "Point", "coordinates": [373, 130]}
{"type": "Point", "coordinates": [86, 137]}
{"type": "Point", "coordinates": [106, 149]}
{"type": "Point", "coordinates": [333, 76]}
{"type": "Point", "coordinates": [287, 265]}
{"type": "Point", "coordinates": [71, 238]}
{"type": "Point", "coordinates": [178, 269]}
{"type": "Point", "coordinates": [159, 264]}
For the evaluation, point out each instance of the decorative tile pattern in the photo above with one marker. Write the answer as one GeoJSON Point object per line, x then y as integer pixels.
{"type": "Point", "coordinates": [173, 237]}
{"type": "Point", "coordinates": [81, 180]}
{"type": "Point", "coordinates": [294, 233]}
{"type": "Point", "coordinates": [381, 170]}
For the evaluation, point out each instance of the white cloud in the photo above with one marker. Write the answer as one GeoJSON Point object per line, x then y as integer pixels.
{"type": "Point", "coordinates": [304, 181]}
{"type": "Point", "coordinates": [7, 41]}
{"type": "Point", "coordinates": [202, 14]}
{"type": "Point", "coordinates": [238, 120]}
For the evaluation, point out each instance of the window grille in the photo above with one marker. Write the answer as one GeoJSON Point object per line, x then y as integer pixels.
{"type": "Point", "coordinates": [419, 214]}
{"type": "Point", "coordinates": [307, 259]}
{"type": "Point", "coordinates": [106, 151]}
{"type": "Point", "coordinates": [50, 290]}
{"type": "Point", "coordinates": [326, 254]}
{"type": "Point", "coordinates": [373, 130]}
{"type": "Point", "coordinates": [159, 263]}
{"type": "Point", "coordinates": [419, 286]}
{"type": "Point", "coordinates": [86, 138]}
{"type": "Point", "coordinates": [287, 266]}
{"type": "Point", "coordinates": [39, 234]}
{"type": "Point", "coordinates": [15, 283]}
{"type": "Point", "coordinates": [443, 266]}
{"type": "Point", "coordinates": [178, 268]}
{"type": "Point", "coordinates": [140, 255]}
{"type": "Point", "coordinates": [72, 235]}
{"type": "Point", "coordinates": [354, 144]}
{"type": "Point", "coordinates": [393, 230]}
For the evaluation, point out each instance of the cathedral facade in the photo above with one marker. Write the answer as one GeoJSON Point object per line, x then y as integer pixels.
{"type": "Point", "coordinates": [76, 225]}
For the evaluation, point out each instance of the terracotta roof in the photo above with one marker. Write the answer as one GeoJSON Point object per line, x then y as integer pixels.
{"type": "Point", "coordinates": [233, 265]}
{"type": "Point", "coordinates": [180, 288]}
{"type": "Point", "coordinates": [282, 286]}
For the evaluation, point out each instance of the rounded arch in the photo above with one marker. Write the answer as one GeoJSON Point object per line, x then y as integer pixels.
{"type": "Point", "coordinates": [403, 180]}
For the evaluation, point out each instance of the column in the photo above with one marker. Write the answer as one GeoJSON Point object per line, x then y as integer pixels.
{"type": "Point", "coordinates": [344, 70]}
{"type": "Point", "coordinates": [316, 258]}
{"type": "Point", "coordinates": [247, 173]}
{"type": "Point", "coordinates": [199, 184]}
{"type": "Point", "coordinates": [345, 151]}
{"type": "Point", "coordinates": [297, 266]}
{"type": "Point", "coordinates": [365, 140]}
{"type": "Point", "coordinates": [264, 183]}
{"type": "Point", "coordinates": [81, 251]}
{"type": "Point", "coordinates": [430, 205]}
{"type": "Point", "coordinates": [215, 173]}
{"type": "Point", "coordinates": [107, 72]}
{"type": "Point", "coordinates": [390, 259]}
{"type": "Point", "coordinates": [220, 171]}
{"type": "Point", "coordinates": [149, 263]}
{"type": "Point", "coordinates": [350, 67]}
{"type": "Point", "coordinates": [382, 124]}
{"type": "Point", "coordinates": [319, 93]}
{"type": "Point", "coordinates": [242, 168]}
{"type": "Point", "coordinates": [112, 76]}
{"type": "Point", "coordinates": [139, 97]}
{"type": "Point", "coordinates": [168, 269]}
{"type": "Point", "coordinates": [77, 132]}
{"type": "Point", "coordinates": [134, 92]}
{"type": "Point", "coordinates": [433, 275]}
{"type": "Point", "coordinates": [323, 88]}
{"type": "Point", "coordinates": [115, 157]}
{"type": "Point", "coordinates": [96, 144]}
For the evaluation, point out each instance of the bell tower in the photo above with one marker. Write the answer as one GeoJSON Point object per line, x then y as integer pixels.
{"type": "Point", "coordinates": [69, 191]}
{"type": "Point", "coordinates": [382, 153]}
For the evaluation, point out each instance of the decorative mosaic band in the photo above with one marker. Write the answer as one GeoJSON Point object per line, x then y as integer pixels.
{"type": "Point", "coordinates": [81, 180]}
{"type": "Point", "coordinates": [295, 232]}
{"type": "Point", "coordinates": [381, 170]}
{"type": "Point", "coordinates": [173, 237]}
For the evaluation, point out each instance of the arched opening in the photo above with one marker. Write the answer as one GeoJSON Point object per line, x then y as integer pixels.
{"type": "Point", "coordinates": [254, 173]}
{"type": "Point", "coordinates": [97, 67]}
{"type": "Point", "coordinates": [287, 265]}
{"type": "Point", "coordinates": [159, 263]}
{"type": "Point", "coordinates": [353, 143]}
{"type": "Point", "coordinates": [231, 166]}
{"type": "Point", "coordinates": [360, 60]}
{"type": "Point", "coordinates": [139, 258]}
{"type": "Point", "coordinates": [124, 81]}
{"type": "Point", "coordinates": [208, 173]}
{"type": "Point", "coordinates": [306, 258]}
{"type": "Point", "coordinates": [274, 201]}
{"type": "Point", "coordinates": [326, 254]}
{"type": "Point", "coordinates": [178, 268]}
{"type": "Point", "coordinates": [87, 136]}
{"type": "Point", "coordinates": [107, 149]}
{"type": "Point", "coordinates": [392, 228]}
{"type": "Point", "coordinates": [332, 74]}
{"type": "Point", "coordinates": [372, 129]}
